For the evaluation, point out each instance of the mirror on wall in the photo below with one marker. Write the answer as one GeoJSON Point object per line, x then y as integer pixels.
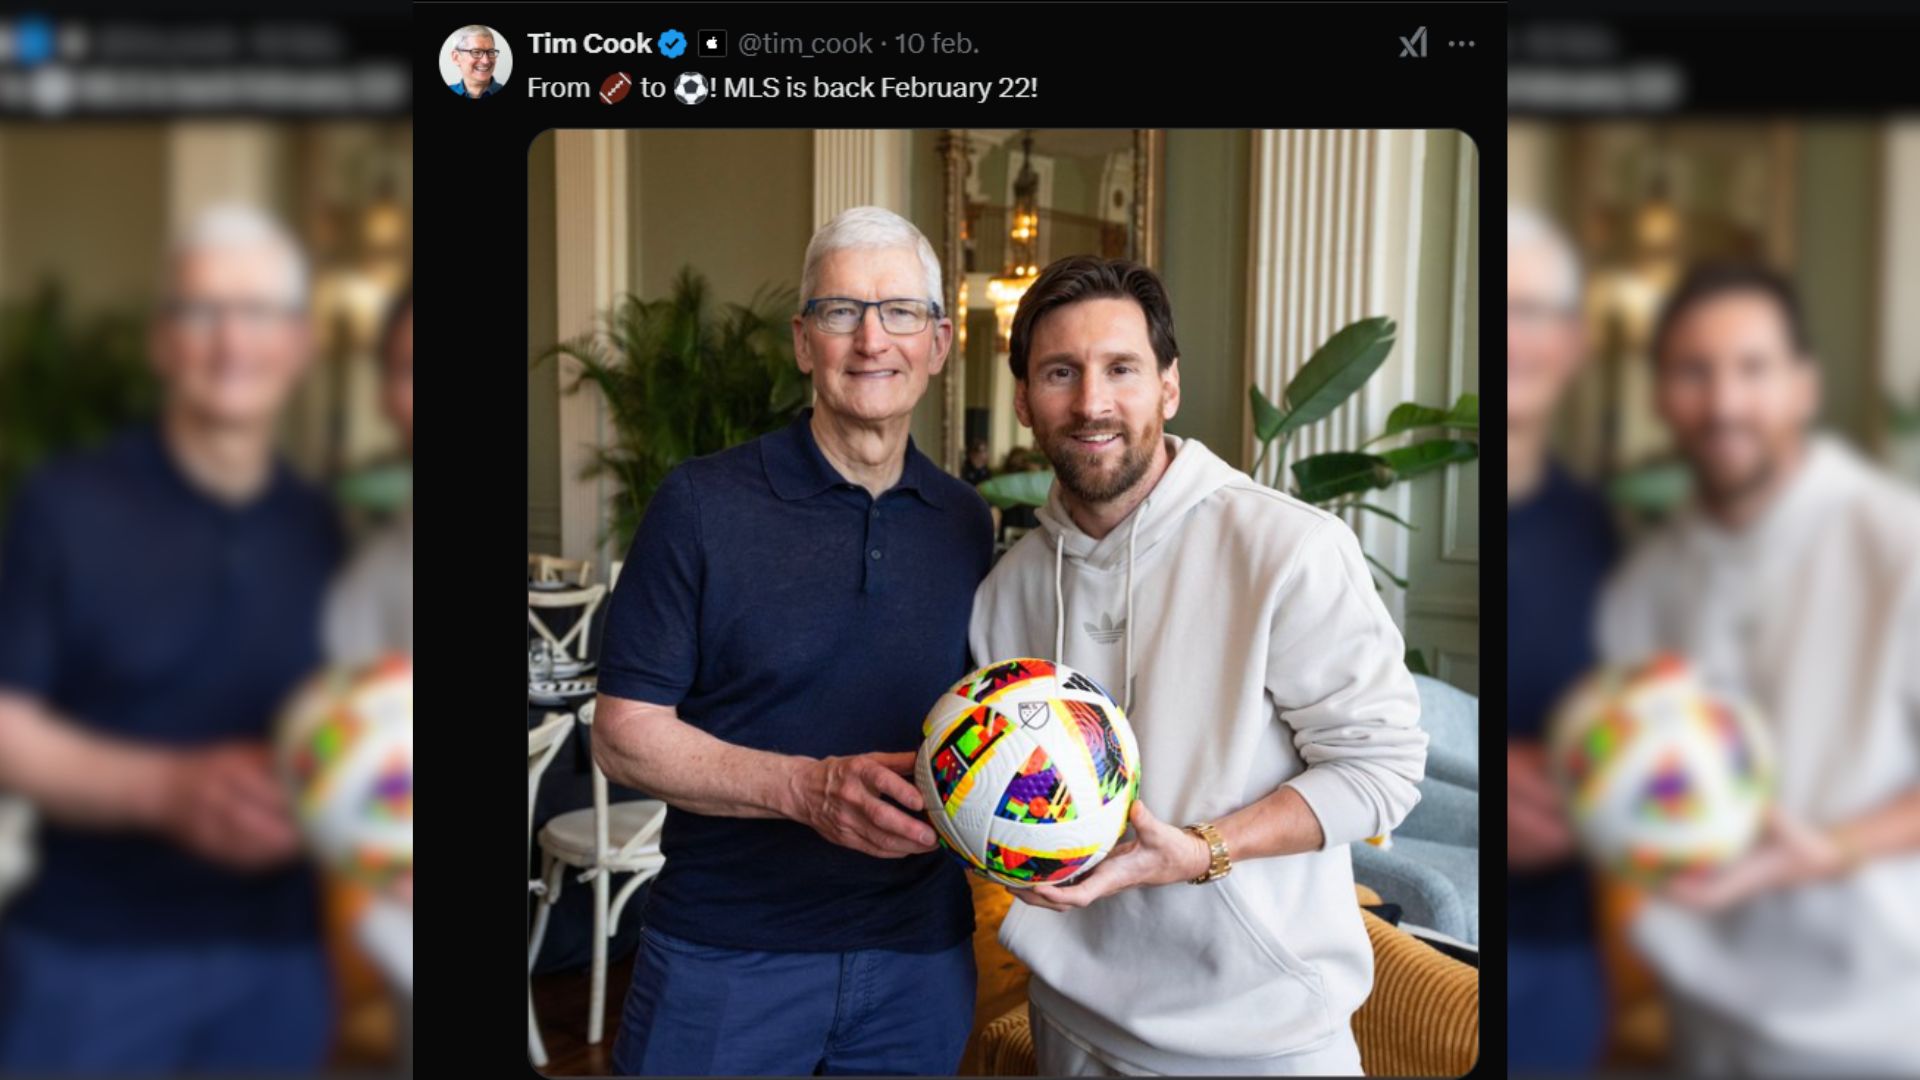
{"type": "Point", "coordinates": [1016, 200]}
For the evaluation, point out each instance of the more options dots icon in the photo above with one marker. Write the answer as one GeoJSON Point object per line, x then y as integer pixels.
{"type": "Point", "coordinates": [712, 43]}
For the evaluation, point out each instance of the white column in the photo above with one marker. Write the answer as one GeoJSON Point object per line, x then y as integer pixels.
{"type": "Point", "coordinates": [1336, 229]}
{"type": "Point", "coordinates": [592, 271]}
{"type": "Point", "coordinates": [859, 168]}
{"type": "Point", "coordinates": [1899, 272]}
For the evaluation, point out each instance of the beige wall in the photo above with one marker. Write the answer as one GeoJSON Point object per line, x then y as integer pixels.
{"type": "Point", "coordinates": [68, 211]}
{"type": "Point", "coordinates": [1205, 266]}
{"type": "Point", "coordinates": [736, 205]}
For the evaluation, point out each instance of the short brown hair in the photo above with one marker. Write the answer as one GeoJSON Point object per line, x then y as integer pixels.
{"type": "Point", "coordinates": [1713, 280]}
{"type": "Point", "coordinates": [1086, 277]}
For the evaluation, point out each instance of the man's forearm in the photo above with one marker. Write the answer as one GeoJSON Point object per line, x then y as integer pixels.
{"type": "Point", "coordinates": [1890, 829]}
{"type": "Point", "coordinates": [652, 749]}
{"type": "Point", "coordinates": [76, 777]}
{"type": "Point", "coordinates": [1280, 824]}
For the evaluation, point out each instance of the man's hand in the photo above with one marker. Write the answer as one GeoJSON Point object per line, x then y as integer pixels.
{"type": "Point", "coordinates": [845, 800]}
{"type": "Point", "coordinates": [1157, 854]}
{"type": "Point", "coordinates": [224, 804]}
{"type": "Point", "coordinates": [1789, 853]}
{"type": "Point", "coordinates": [1537, 833]}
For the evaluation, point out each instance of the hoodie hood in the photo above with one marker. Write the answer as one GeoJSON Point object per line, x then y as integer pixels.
{"type": "Point", "coordinates": [1193, 473]}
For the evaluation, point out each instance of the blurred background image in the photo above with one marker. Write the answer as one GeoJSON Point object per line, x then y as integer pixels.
{"type": "Point", "coordinates": [205, 457]}
{"type": "Point", "coordinates": [1713, 376]}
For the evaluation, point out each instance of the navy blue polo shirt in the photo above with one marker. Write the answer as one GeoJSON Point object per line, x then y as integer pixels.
{"type": "Point", "coordinates": [137, 607]}
{"type": "Point", "coordinates": [493, 87]}
{"type": "Point", "coordinates": [780, 607]}
{"type": "Point", "coordinates": [1560, 545]}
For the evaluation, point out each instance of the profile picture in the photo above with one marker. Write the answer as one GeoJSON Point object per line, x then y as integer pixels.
{"type": "Point", "coordinates": [475, 61]}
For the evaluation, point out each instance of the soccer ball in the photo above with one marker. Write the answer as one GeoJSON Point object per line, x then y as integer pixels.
{"type": "Point", "coordinates": [690, 87]}
{"type": "Point", "coordinates": [344, 748]}
{"type": "Point", "coordinates": [1662, 775]}
{"type": "Point", "coordinates": [1028, 770]}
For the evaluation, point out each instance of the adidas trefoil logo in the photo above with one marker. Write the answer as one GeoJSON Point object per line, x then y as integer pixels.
{"type": "Point", "coordinates": [1106, 633]}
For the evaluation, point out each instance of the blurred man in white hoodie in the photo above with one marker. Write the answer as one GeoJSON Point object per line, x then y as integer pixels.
{"type": "Point", "coordinates": [1266, 685]}
{"type": "Point", "coordinates": [1792, 579]}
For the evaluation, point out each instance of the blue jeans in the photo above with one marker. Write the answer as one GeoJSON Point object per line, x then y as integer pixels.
{"type": "Point", "coordinates": [74, 1006]}
{"type": "Point", "coordinates": [1556, 1007]}
{"type": "Point", "coordinates": [700, 1010]}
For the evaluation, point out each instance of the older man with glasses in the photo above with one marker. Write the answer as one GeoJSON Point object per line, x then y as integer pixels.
{"type": "Point", "coordinates": [159, 598]}
{"type": "Point", "coordinates": [474, 54]}
{"type": "Point", "coordinates": [1560, 544]}
{"type": "Point", "coordinates": [790, 609]}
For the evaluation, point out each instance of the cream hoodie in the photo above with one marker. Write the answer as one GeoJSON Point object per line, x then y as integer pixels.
{"type": "Point", "coordinates": [1242, 631]}
{"type": "Point", "coordinates": [1813, 612]}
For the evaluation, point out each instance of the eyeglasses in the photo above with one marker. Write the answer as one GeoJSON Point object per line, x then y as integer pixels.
{"type": "Point", "coordinates": [843, 315]}
{"type": "Point", "coordinates": [478, 54]}
{"type": "Point", "coordinates": [254, 316]}
{"type": "Point", "coordinates": [1533, 315]}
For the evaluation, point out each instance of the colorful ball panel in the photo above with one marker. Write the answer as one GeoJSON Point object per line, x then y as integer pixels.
{"type": "Point", "coordinates": [1028, 770]}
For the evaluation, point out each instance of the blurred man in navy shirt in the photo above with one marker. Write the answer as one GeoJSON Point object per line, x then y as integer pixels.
{"type": "Point", "coordinates": [1559, 544]}
{"type": "Point", "coordinates": [159, 597]}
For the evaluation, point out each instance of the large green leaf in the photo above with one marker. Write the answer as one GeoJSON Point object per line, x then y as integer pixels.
{"type": "Point", "coordinates": [1336, 370]}
{"type": "Point", "coordinates": [1266, 418]}
{"type": "Point", "coordinates": [1017, 489]}
{"type": "Point", "coordinates": [1464, 415]}
{"type": "Point", "coordinates": [1329, 476]}
{"type": "Point", "coordinates": [1425, 457]}
{"type": "Point", "coordinates": [1651, 489]}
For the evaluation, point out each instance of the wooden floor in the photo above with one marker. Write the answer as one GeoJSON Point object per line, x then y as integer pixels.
{"type": "Point", "coordinates": [560, 1000]}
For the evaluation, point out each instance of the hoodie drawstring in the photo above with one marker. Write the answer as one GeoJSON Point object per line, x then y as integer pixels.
{"type": "Point", "coordinates": [1060, 606]}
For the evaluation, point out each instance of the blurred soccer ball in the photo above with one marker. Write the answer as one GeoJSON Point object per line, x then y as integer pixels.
{"type": "Point", "coordinates": [345, 750]}
{"type": "Point", "coordinates": [1661, 775]}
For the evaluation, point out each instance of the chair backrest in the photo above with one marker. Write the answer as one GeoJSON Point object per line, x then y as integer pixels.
{"type": "Point", "coordinates": [603, 850]}
{"type": "Point", "coordinates": [587, 600]}
{"type": "Point", "coordinates": [543, 743]}
{"type": "Point", "coordinates": [599, 794]}
{"type": "Point", "coordinates": [554, 568]}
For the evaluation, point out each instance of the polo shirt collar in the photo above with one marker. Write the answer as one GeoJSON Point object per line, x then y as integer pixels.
{"type": "Point", "coordinates": [150, 444]}
{"type": "Point", "coordinates": [796, 469]}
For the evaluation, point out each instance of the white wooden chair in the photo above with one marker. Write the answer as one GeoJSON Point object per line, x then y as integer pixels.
{"type": "Point", "coordinates": [587, 600]}
{"type": "Point", "coordinates": [543, 743]}
{"type": "Point", "coordinates": [621, 838]}
{"type": "Point", "coordinates": [546, 568]}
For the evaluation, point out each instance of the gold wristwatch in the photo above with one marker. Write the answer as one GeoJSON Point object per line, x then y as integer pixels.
{"type": "Point", "coordinates": [1221, 864]}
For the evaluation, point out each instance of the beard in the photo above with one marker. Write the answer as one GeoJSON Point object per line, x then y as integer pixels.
{"type": "Point", "coordinates": [1094, 483]}
{"type": "Point", "coordinates": [1722, 483]}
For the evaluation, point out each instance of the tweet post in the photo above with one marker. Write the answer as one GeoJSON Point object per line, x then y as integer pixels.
{"type": "Point", "coordinates": [1003, 526]}
{"type": "Point", "coordinates": [1713, 436]}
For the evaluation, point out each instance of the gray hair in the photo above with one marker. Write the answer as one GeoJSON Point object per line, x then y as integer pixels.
{"type": "Point", "coordinates": [466, 34]}
{"type": "Point", "coordinates": [239, 225]}
{"type": "Point", "coordinates": [1527, 227]}
{"type": "Point", "coordinates": [869, 228]}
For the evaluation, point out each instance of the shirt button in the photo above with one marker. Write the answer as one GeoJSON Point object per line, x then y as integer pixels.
{"type": "Point", "coordinates": [876, 553]}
